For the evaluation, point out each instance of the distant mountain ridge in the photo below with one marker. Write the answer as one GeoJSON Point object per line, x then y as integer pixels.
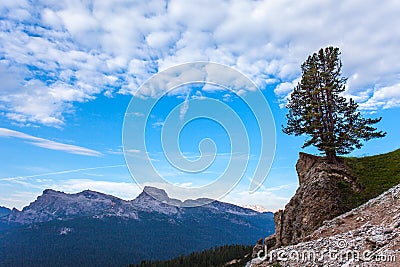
{"type": "Point", "coordinates": [52, 205]}
{"type": "Point", "coordinates": [59, 228]}
{"type": "Point", "coordinates": [257, 208]}
{"type": "Point", "coordinates": [4, 211]}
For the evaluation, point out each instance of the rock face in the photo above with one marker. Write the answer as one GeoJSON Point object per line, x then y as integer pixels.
{"type": "Point", "coordinates": [258, 247]}
{"type": "Point", "coordinates": [365, 236]}
{"type": "Point", "coordinates": [317, 199]}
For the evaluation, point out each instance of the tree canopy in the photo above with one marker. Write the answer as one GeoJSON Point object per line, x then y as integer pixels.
{"type": "Point", "coordinates": [317, 108]}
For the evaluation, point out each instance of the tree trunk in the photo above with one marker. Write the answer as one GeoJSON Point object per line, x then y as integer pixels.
{"type": "Point", "coordinates": [331, 156]}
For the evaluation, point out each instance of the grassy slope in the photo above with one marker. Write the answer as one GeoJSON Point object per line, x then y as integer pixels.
{"type": "Point", "coordinates": [376, 174]}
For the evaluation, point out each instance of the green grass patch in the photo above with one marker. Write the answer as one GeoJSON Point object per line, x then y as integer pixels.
{"type": "Point", "coordinates": [376, 174]}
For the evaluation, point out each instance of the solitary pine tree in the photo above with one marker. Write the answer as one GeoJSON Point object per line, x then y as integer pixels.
{"type": "Point", "coordinates": [316, 108]}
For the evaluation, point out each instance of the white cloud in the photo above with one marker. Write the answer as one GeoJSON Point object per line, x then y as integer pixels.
{"type": "Point", "coordinates": [44, 143]}
{"type": "Point", "coordinates": [57, 53]}
{"type": "Point", "coordinates": [188, 184]}
{"type": "Point", "coordinates": [19, 199]}
{"type": "Point", "coordinates": [385, 97]}
{"type": "Point", "coordinates": [270, 198]}
{"type": "Point", "coordinates": [158, 124]}
{"type": "Point", "coordinates": [135, 114]}
{"type": "Point", "coordinates": [23, 178]}
{"type": "Point", "coordinates": [184, 108]}
{"type": "Point", "coordinates": [124, 190]}
{"type": "Point", "coordinates": [286, 87]}
{"type": "Point", "coordinates": [284, 90]}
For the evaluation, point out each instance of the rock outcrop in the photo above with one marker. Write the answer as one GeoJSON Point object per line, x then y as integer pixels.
{"type": "Point", "coordinates": [365, 236]}
{"type": "Point", "coordinates": [323, 226]}
{"type": "Point", "coordinates": [317, 199]}
{"type": "Point", "coordinates": [258, 247]}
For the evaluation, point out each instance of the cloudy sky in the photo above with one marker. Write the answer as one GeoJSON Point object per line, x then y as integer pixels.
{"type": "Point", "coordinates": [68, 70]}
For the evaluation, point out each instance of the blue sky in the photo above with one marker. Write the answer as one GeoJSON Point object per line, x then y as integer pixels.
{"type": "Point", "coordinates": [68, 71]}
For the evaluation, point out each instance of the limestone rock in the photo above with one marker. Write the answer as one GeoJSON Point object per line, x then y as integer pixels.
{"type": "Point", "coordinates": [317, 199]}
{"type": "Point", "coordinates": [257, 248]}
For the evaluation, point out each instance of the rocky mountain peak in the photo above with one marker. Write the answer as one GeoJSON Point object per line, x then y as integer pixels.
{"type": "Point", "coordinates": [51, 192]}
{"type": "Point", "coordinates": [157, 193]}
{"type": "Point", "coordinates": [153, 194]}
{"type": "Point", "coordinates": [90, 194]}
{"type": "Point", "coordinates": [4, 211]}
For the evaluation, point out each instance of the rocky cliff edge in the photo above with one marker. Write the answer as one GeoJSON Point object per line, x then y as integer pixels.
{"type": "Point", "coordinates": [317, 199]}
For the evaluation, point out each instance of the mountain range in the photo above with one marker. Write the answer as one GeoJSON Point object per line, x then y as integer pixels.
{"type": "Point", "coordinates": [91, 228]}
